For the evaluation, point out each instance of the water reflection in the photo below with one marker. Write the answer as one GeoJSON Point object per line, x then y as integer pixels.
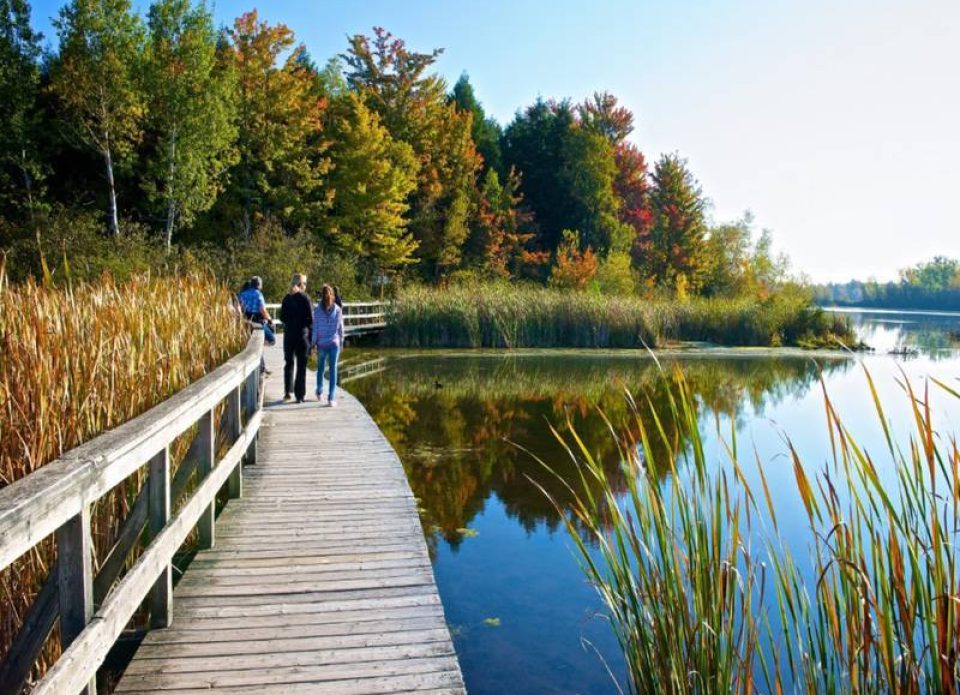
{"type": "Point", "coordinates": [465, 426]}
{"type": "Point", "coordinates": [933, 334]}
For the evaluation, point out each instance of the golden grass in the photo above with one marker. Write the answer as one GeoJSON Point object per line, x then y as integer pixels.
{"type": "Point", "coordinates": [703, 599]}
{"type": "Point", "coordinates": [78, 360]}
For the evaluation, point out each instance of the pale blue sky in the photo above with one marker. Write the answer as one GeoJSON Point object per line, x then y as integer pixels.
{"type": "Point", "coordinates": [835, 122]}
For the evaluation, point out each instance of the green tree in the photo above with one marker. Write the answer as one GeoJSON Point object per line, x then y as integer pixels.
{"type": "Point", "coordinates": [485, 131]}
{"type": "Point", "coordinates": [673, 257]}
{"type": "Point", "coordinates": [282, 162]}
{"type": "Point", "coordinates": [727, 251]}
{"type": "Point", "coordinates": [192, 112]}
{"type": "Point", "coordinates": [587, 180]}
{"type": "Point", "coordinates": [95, 78]}
{"type": "Point", "coordinates": [371, 178]}
{"type": "Point", "coordinates": [535, 145]}
{"type": "Point", "coordinates": [20, 162]}
{"type": "Point", "coordinates": [412, 104]}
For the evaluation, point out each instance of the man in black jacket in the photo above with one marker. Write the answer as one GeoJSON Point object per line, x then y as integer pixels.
{"type": "Point", "coordinates": [296, 312]}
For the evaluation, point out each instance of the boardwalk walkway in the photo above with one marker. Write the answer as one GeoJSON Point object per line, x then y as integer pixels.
{"type": "Point", "coordinates": [319, 581]}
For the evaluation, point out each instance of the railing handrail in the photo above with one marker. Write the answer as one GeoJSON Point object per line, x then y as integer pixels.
{"type": "Point", "coordinates": [34, 506]}
{"type": "Point", "coordinates": [58, 496]}
{"type": "Point", "coordinates": [346, 305]}
{"type": "Point", "coordinates": [352, 323]}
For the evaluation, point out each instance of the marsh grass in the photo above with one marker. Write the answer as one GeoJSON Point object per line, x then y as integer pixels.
{"type": "Point", "coordinates": [81, 359]}
{"type": "Point", "coordinates": [704, 597]}
{"type": "Point", "coordinates": [514, 316]}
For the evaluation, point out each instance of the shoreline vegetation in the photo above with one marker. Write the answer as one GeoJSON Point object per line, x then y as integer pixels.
{"type": "Point", "coordinates": [523, 316]}
{"type": "Point", "coordinates": [869, 605]}
{"type": "Point", "coordinates": [82, 359]}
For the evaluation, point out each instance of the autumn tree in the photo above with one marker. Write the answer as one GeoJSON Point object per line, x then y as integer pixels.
{"type": "Point", "coordinates": [412, 104]}
{"type": "Point", "coordinates": [604, 115]}
{"type": "Point", "coordinates": [20, 162]}
{"type": "Point", "coordinates": [485, 131]}
{"type": "Point", "coordinates": [192, 112]}
{"type": "Point", "coordinates": [574, 266]}
{"type": "Point", "coordinates": [95, 78]}
{"type": "Point", "coordinates": [371, 178]}
{"type": "Point", "coordinates": [281, 152]}
{"type": "Point", "coordinates": [501, 244]}
{"type": "Point", "coordinates": [673, 257]}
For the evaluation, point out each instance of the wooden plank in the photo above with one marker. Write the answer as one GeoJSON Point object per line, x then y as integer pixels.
{"type": "Point", "coordinates": [158, 494]}
{"type": "Point", "coordinates": [75, 586]}
{"type": "Point", "coordinates": [206, 453]}
{"type": "Point", "coordinates": [233, 413]}
{"type": "Point", "coordinates": [320, 580]}
{"type": "Point", "coordinates": [78, 663]}
{"type": "Point", "coordinates": [315, 678]}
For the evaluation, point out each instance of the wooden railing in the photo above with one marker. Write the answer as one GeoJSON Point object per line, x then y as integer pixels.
{"type": "Point", "coordinates": [94, 608]}
{"type": "Point", "coordinates": [358, 317]}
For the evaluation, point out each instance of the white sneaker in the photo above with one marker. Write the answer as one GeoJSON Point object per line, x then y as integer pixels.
{"type": "Point", "coordinates": [332, 404]}
{"type": "Point", "coordinates": [321, 398]}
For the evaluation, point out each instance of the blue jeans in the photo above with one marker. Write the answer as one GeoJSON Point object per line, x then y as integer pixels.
{"type": "Point", "coordinates": [269, 337]}
{"type": "Point", "coordinates": [330, 355]}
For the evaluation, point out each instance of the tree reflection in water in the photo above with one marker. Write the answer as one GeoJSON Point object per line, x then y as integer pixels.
{"type": "Point", "coordinates": [465, 426]}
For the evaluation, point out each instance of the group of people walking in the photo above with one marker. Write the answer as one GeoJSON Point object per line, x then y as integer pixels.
{"type": "Point", "coordinates": [305, 328]}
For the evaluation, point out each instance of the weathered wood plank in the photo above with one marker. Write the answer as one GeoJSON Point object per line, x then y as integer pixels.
{"type": "Point", "coordinates": [320, 579]}
{"type": "Point", "coordinates": [80, 661]}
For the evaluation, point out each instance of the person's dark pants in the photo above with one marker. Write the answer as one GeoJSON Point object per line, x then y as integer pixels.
{"type": "Point", "coordinates": [295, 358]}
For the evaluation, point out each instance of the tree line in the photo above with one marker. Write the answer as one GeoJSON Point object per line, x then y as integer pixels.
{"type": "Point", "coordinates": [202, 140]}
{"type": "Point", "coordinates": [933, 284]}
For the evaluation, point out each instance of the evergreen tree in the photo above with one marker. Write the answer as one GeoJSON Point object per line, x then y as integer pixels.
{"type": "Point", "coordinates": [20, 161]}
{"type": "Point", "coordinates": [535, 145]}
{"type": "Point", "coordinates": [95, 78]}
{"type": "Point", "coordinates": [485, 131]}
{"type": "Point", "coordinates": [282, 162]}
{"type": "Point", "coordinates": [673, 257]}
{"type": "Point", "coordinates": [192, 112]}
{"type": "Point", "coordinates": [371, 178]}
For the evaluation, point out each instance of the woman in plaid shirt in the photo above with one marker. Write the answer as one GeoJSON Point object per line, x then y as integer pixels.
{"type": "Point", "coordinates": [328, 339]}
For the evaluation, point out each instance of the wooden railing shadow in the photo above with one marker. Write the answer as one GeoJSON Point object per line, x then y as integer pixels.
{"type": "Point", "coordinates": [94, 608]}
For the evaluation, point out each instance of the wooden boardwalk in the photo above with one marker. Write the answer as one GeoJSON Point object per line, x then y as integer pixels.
{"type": "Point", "coordinates": [319, 580]}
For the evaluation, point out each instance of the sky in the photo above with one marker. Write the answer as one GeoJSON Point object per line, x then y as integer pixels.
{"type": "Point", "coordinates": [837, 123]}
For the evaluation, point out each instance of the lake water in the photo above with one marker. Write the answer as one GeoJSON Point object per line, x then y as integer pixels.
{"type": "Point", "coordinates": [465, 424]}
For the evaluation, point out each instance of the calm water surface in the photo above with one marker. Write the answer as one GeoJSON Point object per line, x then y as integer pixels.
{"type": "Point", "coordinates": [524, 620]}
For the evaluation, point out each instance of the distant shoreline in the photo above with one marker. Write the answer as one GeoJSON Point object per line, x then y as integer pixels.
{"type": "Point", "coordinates": [878, 310]}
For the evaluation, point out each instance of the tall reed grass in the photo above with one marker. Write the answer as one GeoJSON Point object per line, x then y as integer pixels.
{"type": "Point", "coordinates": [503, 315]}
{"type": "Point", "coordinates": [78, 360]}
{"type": "Point", "coordinates": [705, 598]}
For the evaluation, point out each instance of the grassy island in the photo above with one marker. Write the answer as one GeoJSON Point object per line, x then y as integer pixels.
{"type": "Point", "coordinates": [515, 316]}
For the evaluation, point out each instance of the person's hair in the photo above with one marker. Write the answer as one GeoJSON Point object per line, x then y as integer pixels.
{"type": "Point", "coordinates": [298, 280]}
{"type": "Point", "coordinates": [255, 281]}
{"type": "Point", "coordinates": [326, 297]}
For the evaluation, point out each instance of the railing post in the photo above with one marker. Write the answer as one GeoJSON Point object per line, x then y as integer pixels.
{"type": "Point", "coordinates": [75, 580]}
{"type": "Point", "coordinates": [158, 497]}
{"type": "Point", "coordinates": [252, 401]}
{"type": "Point", "coordinates": [235, 481]}
{"type": "Point", "coordinates": [207, 444]}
